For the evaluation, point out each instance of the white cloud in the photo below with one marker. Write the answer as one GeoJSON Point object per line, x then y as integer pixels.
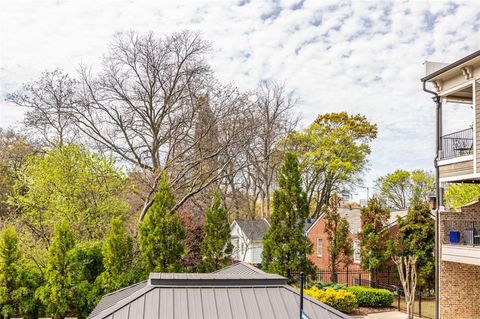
{"type": "Point", "coordinates": [363, 57]}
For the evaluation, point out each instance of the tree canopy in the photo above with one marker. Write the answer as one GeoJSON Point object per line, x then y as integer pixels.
{"type": "Point", "coordinates": [333, 154]}
{"type": "Point", "coordinates": [399, 188]}
{"type": "Point", "coordinates": [69, 183]}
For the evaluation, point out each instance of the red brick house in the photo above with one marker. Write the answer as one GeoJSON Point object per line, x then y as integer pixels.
{"type": "Point", "coordinates": [315, 231]}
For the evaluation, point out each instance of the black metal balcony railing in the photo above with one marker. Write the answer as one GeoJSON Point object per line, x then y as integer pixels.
{"type": "Point", "coordinates": [461, 232]}
{"type": "Point", "coordinates": [457, 144]}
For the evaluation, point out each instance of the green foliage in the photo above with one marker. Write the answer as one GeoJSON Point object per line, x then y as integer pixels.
{"type": "Point", "coordinates": [338, 234]}
{"type": "Point", "coordinates": [162, 233]}
{"type": "Point", "coordinates": [216, 246]}
{"type": "Point", "coordinates": [458, 195]}
{"type": "Point", "coordinates": [18, 279]}
{"type": "Point", "coordinates": [400, 188]}
{"type": "Point", "coordinates": [416, 237]}
{"type": "Point", "coordinates": [65, 292]}
{"type": "Point", "coordinates": [285, 246]}
{"type": "Point", "coordinates": [342, 300]}
{"type": "Point", "coordinates": [332, 153]}
{"type": "Point", "coordinates": [330, 285]}
{"type": "Point", "coordinates": [73, 184]}
{"type": "Point", "coordinates": [372, 297]}
{"type": "Point", "coordinates": [373, 241]}
{"type": "Point", "coordinates": [118, 259]}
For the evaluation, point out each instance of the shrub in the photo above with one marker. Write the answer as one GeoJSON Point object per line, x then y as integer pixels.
{"type": "Point", "coordinates": [342, 300]}
{"type": "Point", "coordinates": [372, 297]}
{"type": "Point", "coordinates": [335, 286]}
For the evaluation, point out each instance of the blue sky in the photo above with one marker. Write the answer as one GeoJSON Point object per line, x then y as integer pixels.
{"type": "Point", "coordinates": [361, 57]}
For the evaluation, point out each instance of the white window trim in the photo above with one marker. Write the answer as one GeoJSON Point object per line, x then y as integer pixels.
{"type": "Point", "coordinates": [320, 246]}
{"type": "Point", "coordinates": [356, 248]}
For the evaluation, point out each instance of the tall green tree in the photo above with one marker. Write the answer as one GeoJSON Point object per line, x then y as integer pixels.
{"type": "Point", "coordinates": [400, 188]}
{"type": "Point", "coordinates": [66, 291]}
{"type": "Point", "coordinates": [162, 233]}
{"type": "Point", "coordinates": [458, 195]}
{"type": "Point", "coordinates": [216, 246]}
{"type": "Point", "coordinates": [373, 239]}
{"type": "Point", "coordinates": [340, 247]}
{"type": "Point", "coordinates": [69, 183]}
{"type": "Point", "coordinates": [285, 245]}
{"type": "Point", "coordinates": [333, 154]}
{"type": "Point", "coordinates": [18, 278]}
{"type": "Point", "coordinates": [416, 237]}
{"type": "Point", "coordinates": [118, 259]}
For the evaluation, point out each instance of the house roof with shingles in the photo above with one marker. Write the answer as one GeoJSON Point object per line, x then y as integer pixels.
{"type": "Point", "coordinates": [255, 295]}
{"type": "Point", "coordinates": [353, 217]}
{"type": "Point", "coordinates": [253, 229]}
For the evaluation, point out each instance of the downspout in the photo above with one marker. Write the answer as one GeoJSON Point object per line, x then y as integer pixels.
{"type": "Point", "coordinates": [438, 148]}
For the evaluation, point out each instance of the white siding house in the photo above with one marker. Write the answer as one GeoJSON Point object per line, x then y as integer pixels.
{"type": "Point", "coordinates": [246, 237]}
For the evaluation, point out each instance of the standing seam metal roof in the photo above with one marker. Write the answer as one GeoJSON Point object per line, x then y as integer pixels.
{"type": "Point", "coordinates": [215, 296]}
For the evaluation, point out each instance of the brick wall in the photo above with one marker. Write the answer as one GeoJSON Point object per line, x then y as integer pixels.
{"type": "Point", "coordinates": [318, 231]}
{"type": "Point", "coordinates": [459, 283]}
{"type": "Point", "coordinates": [459, 290]}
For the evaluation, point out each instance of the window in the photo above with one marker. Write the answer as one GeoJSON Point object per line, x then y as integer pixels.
{"type": "Point", "coordinates": [356, 252]}
{"type": "Point", "coordinates": [319, 247]}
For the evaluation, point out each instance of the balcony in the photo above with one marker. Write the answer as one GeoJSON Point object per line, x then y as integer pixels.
{"type": "Point", "coordinates": [461, 241]}
{"type": "Point", "coordinates": [457, 144]}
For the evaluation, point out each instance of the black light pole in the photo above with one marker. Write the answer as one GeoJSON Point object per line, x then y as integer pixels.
{"type": "Point", "coordinates": [301, 295]}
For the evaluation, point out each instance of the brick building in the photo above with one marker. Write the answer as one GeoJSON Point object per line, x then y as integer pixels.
{"type": "Point", "coordinates": [457, 154]}
{"type": "Point", "coordinates": [315, 231]}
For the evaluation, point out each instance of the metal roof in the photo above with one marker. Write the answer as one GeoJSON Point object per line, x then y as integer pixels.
{"type": "Point", "coordinates": [112, 298]}
{"type": "Point", "coordinates": [253, 229]}
{"type": "Point", "coordinates": [241, 268]}
{"type": "Point", "coordinates": [215, 296]}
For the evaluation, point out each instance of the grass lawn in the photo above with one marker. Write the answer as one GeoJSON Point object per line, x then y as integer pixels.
{"type": "Point", "coordinates": [428, 307]}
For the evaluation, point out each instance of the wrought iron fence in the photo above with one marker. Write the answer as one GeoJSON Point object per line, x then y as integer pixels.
{"type": "Point", "coordinates": [457, 144]}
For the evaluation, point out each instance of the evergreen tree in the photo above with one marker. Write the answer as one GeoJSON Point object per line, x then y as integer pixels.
{"type": "Point", "coordinates": [216, 246]}
{"type": "Point", "coordinates": [118, 259]}
{"type": "Point", "coordinates": [416, 237]}
{"type": "Point", "coordinates": [338, 234]}
{"type": "Point", "coordinates": [285, 245]}
{"type": "Point", "coordinates": [9, 272]}
{"type": "Point", "coordinates": [162, 233]}
{"type": "Point", "coordinates": [373, 241]}
{"type": "Point", "coordinates": [65, 292]}
{"type": "Point", "coordinates": [18, 279]}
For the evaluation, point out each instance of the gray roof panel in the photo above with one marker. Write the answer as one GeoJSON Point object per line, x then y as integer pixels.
{"type": "Point", "coordinates": [218, 295]}
{"type": "Point", "coordinates": [240, 268]}
{"type": "Point", "coordinates": [253, 229]}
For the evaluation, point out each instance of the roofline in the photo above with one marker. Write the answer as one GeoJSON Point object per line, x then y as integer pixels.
{"type": "Point", "coordinates": [314, 223]}
{"type": "Point", "coordinates": [451, 66]}
{"type": "Point", "coordinates": [255, 269]}
{"type": "Point", "coordinates": [233, 282]}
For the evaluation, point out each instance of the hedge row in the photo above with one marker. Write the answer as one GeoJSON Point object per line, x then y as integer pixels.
{"type": "Point", "coordinates": [372, 297]}
{"type": "Point", "coordinates": [342, 300]}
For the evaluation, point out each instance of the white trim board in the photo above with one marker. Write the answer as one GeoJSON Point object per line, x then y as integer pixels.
{"type": "Point", "coordinates": [459, 159]}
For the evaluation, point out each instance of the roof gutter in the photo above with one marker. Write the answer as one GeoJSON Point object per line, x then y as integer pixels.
{"type": "Point", "coordinates": [438, 148]}
{"type": "Point", "coordinates": [449, 67]}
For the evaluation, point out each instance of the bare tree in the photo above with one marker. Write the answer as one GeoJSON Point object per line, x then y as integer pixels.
{"type": "Point", "coordinates": [49, 101]}
{"type": "Point", "coordinates": [274, 120]}
{"type": "Point", "coordinates": [407, 270]}
{"type": "Point", "coordinates": [146, 104]}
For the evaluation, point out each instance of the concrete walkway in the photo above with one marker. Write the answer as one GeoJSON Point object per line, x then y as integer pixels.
{"type": "Point", "coordinates": [387, 315]}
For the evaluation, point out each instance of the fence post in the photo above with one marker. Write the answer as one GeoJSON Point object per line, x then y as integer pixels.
{"type": "Point", "coordinates": [420, 305]}
{"type": "Point", "coordinates": [347, 277]}
{"type": "Point", "coordinates": [398, 296]}
{"type": "Point", "coordinates": [360, 279]}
